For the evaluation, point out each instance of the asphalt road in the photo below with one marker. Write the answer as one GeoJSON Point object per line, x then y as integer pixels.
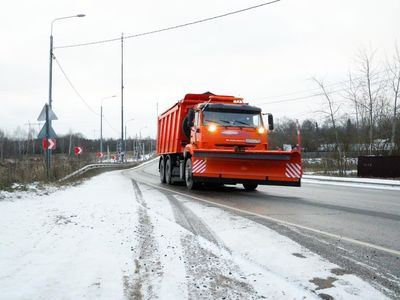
{"type": "Point", "coordinates": [354, 227]}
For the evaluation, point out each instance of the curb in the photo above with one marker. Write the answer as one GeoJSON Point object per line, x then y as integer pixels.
{"type": "Point", "coordinates": [350, 180]}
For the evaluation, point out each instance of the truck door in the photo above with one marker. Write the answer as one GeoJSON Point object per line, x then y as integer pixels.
{"type": "Point", "coordinates": [195, 131]}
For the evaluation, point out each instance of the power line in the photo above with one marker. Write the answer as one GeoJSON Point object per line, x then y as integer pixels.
{"type": "Point", "coordinates": [73, 87]}
{"type": "Point", "coordinates": [292, 99]}
{"type": "Point", "coordinates": [344, 89]}
{"type": "Point", "coordinates": [331, 85]}
{"type": "Point", "coordinates": [171, 27]}
{"type": "Point", "coordinates": [79, 95]}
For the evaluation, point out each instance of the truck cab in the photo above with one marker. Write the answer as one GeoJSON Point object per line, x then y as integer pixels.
{"type": "Point", "coordinates": [237, 127]}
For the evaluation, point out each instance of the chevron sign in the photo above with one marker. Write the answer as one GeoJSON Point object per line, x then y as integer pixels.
{"type": "Point", "coordinates": [49, 144]}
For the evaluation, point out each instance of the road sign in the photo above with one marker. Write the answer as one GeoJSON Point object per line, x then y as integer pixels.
{"type": "Point", "coordinates": [49, 144]}
{"type": "Point", "coordinates": [42, 116]}
{"type": "Point", "coordinates": [78, 150]}
{"type": "Point", "coordinates": [42, 133]}
{"type": "Point", "coordinates": [99, 154]}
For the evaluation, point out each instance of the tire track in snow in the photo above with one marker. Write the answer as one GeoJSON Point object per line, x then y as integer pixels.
{"type": "Point", "coordinates": [210, 272]}
{"type": "Point", "coordinates": [147, 259]}
{"type": "Point", "coordinates": [188, 220]}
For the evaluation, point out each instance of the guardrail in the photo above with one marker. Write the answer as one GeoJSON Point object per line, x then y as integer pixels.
{"type": "Point", "coordinates": [96, 166]}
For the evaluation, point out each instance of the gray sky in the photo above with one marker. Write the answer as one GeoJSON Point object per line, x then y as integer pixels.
{"type": "Point", "coordinates": [264, 55]}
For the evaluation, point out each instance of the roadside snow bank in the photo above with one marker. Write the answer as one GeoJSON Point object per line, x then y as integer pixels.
{"type": "Point", "coordinates": [72, 244]}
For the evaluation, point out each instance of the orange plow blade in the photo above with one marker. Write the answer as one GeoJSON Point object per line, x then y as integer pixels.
{"type": "Point", "coordinates": [261, 167]}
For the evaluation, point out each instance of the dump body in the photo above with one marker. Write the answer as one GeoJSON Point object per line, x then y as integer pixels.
{"type": "Point", "coordinates": [207, 138]}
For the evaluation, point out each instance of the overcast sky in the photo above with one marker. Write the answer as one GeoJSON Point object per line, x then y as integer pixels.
{"type": "Point", "coordinates": [264, 55]}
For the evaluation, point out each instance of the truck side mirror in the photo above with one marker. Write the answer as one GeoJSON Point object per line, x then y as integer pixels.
{"type": "Point", "coordinates": [270, 122]}
{"type": "Point", "coordinates": [191, 117]}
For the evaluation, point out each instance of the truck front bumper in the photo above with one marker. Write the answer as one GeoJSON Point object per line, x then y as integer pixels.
{"type": "Point", "coordinates": [260, 167]}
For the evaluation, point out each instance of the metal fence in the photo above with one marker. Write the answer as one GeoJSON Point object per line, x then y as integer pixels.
{"type": "Point", "coordinates": [378, 166]}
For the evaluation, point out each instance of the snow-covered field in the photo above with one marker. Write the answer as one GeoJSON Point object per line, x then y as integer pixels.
{"type": "Point", "coordinates": [115, 238]}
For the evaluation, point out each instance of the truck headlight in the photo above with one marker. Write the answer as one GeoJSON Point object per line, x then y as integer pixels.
{"type": "Point", "coordinates": [261, 130]}
{"type": "Point", "coordinates": [212, 127]}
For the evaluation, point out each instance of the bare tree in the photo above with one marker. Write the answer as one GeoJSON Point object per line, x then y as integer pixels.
{"type": "Point", "coordinates": [394, 82]}
{"type": "Point", "coordinates": [352, 93]}
{"type": "Point", "coordinates": [332, 113]}
{"type": "Point", "coordinates": [372, 89]}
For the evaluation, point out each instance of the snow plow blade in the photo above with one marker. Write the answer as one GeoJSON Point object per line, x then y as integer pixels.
{"type": "Point", "coordinates": [260, 167]}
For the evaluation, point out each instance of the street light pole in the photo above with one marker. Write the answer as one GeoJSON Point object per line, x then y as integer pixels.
{"type": "Point", "coordinates": [48, 122]}
{"type": "Point", "coordinates": [122, 99]}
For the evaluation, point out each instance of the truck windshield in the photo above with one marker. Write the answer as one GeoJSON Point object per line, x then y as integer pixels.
{"type": "Point", "coordinates": [245, 119]}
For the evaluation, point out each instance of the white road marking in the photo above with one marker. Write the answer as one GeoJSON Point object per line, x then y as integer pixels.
{"type": "Point", "coordinates": [347, 239]}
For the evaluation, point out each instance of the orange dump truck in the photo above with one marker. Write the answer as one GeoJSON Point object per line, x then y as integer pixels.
{"type": "Point", "coordinates": [206, 138]}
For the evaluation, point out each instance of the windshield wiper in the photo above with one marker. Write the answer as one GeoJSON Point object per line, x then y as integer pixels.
{"type": "Point", "coordinates": [218, 122]}
{"type": "Point", "coordinates": [240, 122]}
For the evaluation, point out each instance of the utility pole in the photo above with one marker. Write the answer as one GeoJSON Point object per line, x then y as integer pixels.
{"type": "Point", "coordinates": [125, 137]}
{"type": "Point", "coordinates": [101, 129]}
{"type": "Point", "coordinates": [48, 152]}
{"type": "Point", "coordinates": [122, 98]}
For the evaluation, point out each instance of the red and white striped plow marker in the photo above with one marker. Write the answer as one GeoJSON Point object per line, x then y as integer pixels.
{"type": "Point", "coordinates": [293, 170]}
{"type": "Point", "coordinates": [199, 166]}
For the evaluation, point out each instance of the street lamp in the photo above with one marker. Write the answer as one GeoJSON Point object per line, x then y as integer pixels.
{"type": "Point", "coordinates": [101, 121]}
{"type": "Point", "coordinates": [48, 122]}
{"type": "Point", "coordinates": [51, 54]}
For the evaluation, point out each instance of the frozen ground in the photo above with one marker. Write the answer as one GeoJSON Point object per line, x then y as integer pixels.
{"type": "Point", "coordinates": [114, 238]}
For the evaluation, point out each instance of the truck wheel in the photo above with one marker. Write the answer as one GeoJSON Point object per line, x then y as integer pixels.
{"type": "Point", "coordinates": [250, 186]}
{"type": "Point", "coordinates": [190, 184]}
{"type": "Point", "coordinates": [168, 171]}
{"type": "Point", "coordinates": [162, 170]}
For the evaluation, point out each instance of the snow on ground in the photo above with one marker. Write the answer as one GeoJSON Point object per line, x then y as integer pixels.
{"type": "Point", "coordinates": [114, 238]}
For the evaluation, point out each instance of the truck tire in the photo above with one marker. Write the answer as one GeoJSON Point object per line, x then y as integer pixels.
{"type": "Point", "coordinates": [250, 186]}
{"type": "Point", "coordinates": [190, 184]}
{"type": "Point", "coordinates": [168, 171]}
{"type": "Point", "coordinates": [162, 170]}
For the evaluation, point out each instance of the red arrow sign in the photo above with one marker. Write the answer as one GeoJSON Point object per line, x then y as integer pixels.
{"type": "Point", "coordinates": [78, 150]}
{"type": "Point", "coordinates": [99, 154]}
{"type": "Point", "coordinates": [49, 144]}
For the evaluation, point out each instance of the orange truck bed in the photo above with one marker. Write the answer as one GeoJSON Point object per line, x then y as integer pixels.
{"type": "Point", "coordinates": [220, 139]}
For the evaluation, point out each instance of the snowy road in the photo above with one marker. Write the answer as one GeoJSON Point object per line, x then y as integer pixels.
{"type": "Point", "coordinates": [119, 236]}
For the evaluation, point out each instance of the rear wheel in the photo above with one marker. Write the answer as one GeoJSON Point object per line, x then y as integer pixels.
{"type": "Point", "coordinates": [168, 171]}
{"type": "Point", "coordinates": [190, 184]}
{"type": "Point", "coordinates": [162, 170]}
{"type": "Point", "coordinates": [250, 186]}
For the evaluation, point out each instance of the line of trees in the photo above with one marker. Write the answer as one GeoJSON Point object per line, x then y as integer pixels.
{"type": "Point", "coordinates": [359, 117]}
